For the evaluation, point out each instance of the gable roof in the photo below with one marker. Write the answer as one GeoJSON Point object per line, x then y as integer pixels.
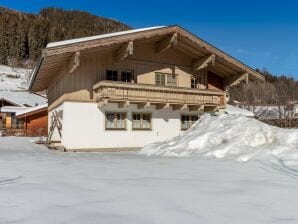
{"type": "Point", "coordinates": [22, 98]}
{"type": "Point", "coordinates": [2, 98]}
{"type": "Point", "coordinates": [32, 110]}
{"type": "Point", "coordinates": [12, 109]}
{"type": "Point", "coordinates": [56, 54]}
{"type": "Point", "coordinates": [97, 37]}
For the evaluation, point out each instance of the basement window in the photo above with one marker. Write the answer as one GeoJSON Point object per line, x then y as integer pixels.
{"type": "Point", "coordinates": [187, 121]}
{"type": "Point", "coordinates": [115, 121]}
{"type": "Point", "coordinates": [141, 121]}
{"type": "Point", "coordinates": [112, 75]}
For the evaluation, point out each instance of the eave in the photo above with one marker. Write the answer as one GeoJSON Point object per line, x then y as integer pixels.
{"type": "Point", "coordinates": [54, 57]}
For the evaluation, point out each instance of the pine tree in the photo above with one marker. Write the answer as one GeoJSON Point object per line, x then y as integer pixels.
{"type": "Point", "coordinates": [22, 36]}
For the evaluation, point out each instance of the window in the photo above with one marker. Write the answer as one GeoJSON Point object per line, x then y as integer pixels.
{"type": "Point", "coordinates": [160, 79]}
{"type": "Point", "coordinates": [171, 80]}
{"type": "Point", "coordinates": [115, 121]}
{"type": "Point", "coordinates": [193, 83]}
{"type": "Point", "coordinates": [141, 121]}
{"type": "Point", "coordinates": [126, 76]}
{"type": "Point", "coordinates": [187, 121]}
{"type": "Point", "coordinates": [112, 75]}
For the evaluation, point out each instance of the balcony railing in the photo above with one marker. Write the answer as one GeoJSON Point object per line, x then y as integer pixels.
{"type": "Point", "coordinates": [134, 92]}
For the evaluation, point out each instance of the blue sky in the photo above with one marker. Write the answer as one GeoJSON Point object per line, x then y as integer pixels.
{"type": "Point", "coordinates": [262, 34]}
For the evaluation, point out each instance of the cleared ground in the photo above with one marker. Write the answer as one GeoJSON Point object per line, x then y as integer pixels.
{"type": "Point", "coordinates": [41, 186]}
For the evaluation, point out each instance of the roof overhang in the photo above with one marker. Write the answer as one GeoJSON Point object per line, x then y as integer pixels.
{"type": "Point", "coordinates": [10, 101]}
{"type": "Point", "coordinates": [55, 55]}
{"type": "Point", "coordinates": [32, 110]}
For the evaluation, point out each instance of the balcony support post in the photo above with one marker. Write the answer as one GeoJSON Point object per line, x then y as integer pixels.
{"type": "Point", "coordinates": [143, 105]}
{"type": "Point", "coordinates": [123, 104]}
{"type": "Point", "coordinates": [179, 106]}
{"type": "Point", "coordinates": [196, 108]}
{"type": "Point", "coordinates": [162, 106]}
{"type": "Point", "coordinates": [102, 102]}
{"type": "Point", "coordinates": [210, 108]}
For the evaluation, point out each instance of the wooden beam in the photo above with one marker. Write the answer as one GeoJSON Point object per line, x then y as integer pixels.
{"type": "Point", "coordinates": [167, 42]}
{"type": "Point", "coordinates": [74, 62]}
{"type": "Point", "coordinates": [235, 79]}
{"type": "Point", "coordinates": [179, 106]}
{"type": "Point", "coordinates": [210, 108]}
{"type": "Point", "coordinates": [143, 105]}
{"type": "Point", "coordinates": [203, 62]}
{"type": "Point", "coordinates": [196, 108]}
{"type": "Point", "coordinates": [124, 51]}
{"type": "Point", "coordinates": [123, 104]}
{"type": "Point", "coordinates": [162, 106]}
{"type": "Point", "coordinates": [102, 102]}
{"type": "Point", "coordinates": [190, 50]}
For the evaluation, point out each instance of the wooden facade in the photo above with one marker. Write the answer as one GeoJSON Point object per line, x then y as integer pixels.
{"type": "Point", "coordinates": [35, 123]}
{"type": "Point", "coordinates": [137, 86]}
{"type": "Point", "coordinates": [70, 71]}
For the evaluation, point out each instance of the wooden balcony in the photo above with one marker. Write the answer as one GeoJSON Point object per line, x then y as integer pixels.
{"type": "Point", "coordinates": [145, 95]}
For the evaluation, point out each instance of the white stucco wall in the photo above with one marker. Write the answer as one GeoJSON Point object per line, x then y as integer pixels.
{"type": "Point", "coordinates": [84, 126]}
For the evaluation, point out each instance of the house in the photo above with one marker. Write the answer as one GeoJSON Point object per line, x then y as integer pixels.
{"type": "Point", "coordinates": [7, 116]}
{"type": "Point", "coordinates": [123, 90]}
{"type": "Point", "coordinates": [12, 102]}
{"type": "Point", "coordinates": [34, 120]}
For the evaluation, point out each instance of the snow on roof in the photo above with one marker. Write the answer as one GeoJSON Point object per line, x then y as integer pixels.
{"type": "Point", "coordinates": [236, 110]}
{"type": "Point", "coordinates": [12, 109]}
{"type": "Point", "coordinates": [79, 40]}
{"type": "Point", "coordinates": [23, 98]}
{"type": "Point", "coordinates": [32, 109]}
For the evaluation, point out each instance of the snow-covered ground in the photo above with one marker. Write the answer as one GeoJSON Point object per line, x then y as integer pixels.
{"type": "Point", "coordinates": [41, 186]}
{"type": "Point", "coordinates": [14, 78]}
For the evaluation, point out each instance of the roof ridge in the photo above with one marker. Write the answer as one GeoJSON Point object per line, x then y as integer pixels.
{"type": "Point", "coordinates": [101, 36]}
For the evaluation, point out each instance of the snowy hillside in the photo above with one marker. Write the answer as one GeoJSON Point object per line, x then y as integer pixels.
{"type": "Point", "coordinates": [14, 78]}
{"type": "Point", "coordinates": [231, 137]}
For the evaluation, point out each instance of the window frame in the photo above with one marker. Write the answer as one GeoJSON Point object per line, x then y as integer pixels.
{"type": "Point", "coordinates": [141, 121]}
{"type": "Point", "coordinates": [113, 70]}
{"type": "Point", "coordinates": [173, 77]}
{"type": "Point", "coordinates": [193, 83]}
{"type": "Point", "coordinates": [160, 79]}
{"type": "Point", "coordinates": [190, 121]}
{"type": "Point", "coordinates": [127, 71]}
{"type": "Point", "coordinates": [166, 79]}
{"type": "Point", "coordinates": [115, 114]}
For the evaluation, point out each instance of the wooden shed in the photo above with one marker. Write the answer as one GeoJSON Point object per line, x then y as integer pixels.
{"type": "Point", "coordinates": [34, 120]}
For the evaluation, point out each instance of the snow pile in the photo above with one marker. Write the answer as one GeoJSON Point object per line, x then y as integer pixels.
{"type": "Point", "coordinates": [230, 136]}
{"type": "Point", "coordinates": [237, 110]}
{"type": "Point", "coordinates": [14, 78]}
